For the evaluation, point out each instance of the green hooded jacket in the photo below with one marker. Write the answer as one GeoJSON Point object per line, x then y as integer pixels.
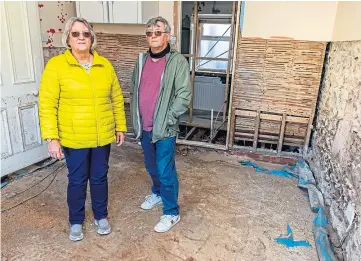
{"type": "Point", "coordinates": [173, 98]}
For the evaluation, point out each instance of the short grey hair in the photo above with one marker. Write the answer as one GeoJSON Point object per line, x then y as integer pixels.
{"type": "Point", "coordinates": [153, 22]}
{"type": "Point", "coordinates": [69, 25]}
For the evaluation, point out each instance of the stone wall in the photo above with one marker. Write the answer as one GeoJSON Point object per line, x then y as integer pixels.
{"type": "Point", "coordinates": [335, 157]}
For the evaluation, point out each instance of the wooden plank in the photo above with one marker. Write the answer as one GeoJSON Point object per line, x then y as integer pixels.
{"type": "Point", "coordinates": [231, 128]}
{"type": "Point", "coordinates": [245, 113]}
{"type": "Point", "coordinates": [297, 119]}
{"type": "Point", "coordinates": [176, 22]}
{"type": "Point", "coordinates": [280, 141]}
{"type": "Point", "coordinates": [231, 116]}
{"type": "Point", "coordinates": [263, 116]}
{"type": "Point", "coordinates": [201, 144]}
{"type": "Point", "coordinates": [190, 133]}
{"type": "Point", "coordinates": [256, 130]}
{"type": "Point", "coordinates": [308, 135]}
{"type": "Point", "coordinates": [195, 22]}
{"type": "Point", "coordinates": [230, 57]}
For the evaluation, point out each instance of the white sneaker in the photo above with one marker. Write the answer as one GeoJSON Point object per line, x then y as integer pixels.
{"type": "Point", "coordinates": [166, 222]}
{"type": "Point", "coordinates": [151, 201]}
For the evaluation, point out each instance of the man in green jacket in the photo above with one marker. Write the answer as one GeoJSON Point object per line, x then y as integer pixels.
{"type": "Point", "coordinates": [160, 94]}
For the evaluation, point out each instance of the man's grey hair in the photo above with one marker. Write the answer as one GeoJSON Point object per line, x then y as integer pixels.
{"type": "Point", "coordinates": [153, 22]}
{"type": "Point", "coordinates": [69, 25]}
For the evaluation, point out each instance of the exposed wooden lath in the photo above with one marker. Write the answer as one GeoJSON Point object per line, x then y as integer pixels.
{"type": "Point", "coordinates": [122, 50]}
{"type": "Point", "coordinates": [278, 78]}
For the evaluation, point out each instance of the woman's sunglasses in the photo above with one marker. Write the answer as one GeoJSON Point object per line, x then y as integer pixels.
{"type": "Point", "coordinates": [77, 34]}
{"type": "Point", "coordinates": [156, 33]}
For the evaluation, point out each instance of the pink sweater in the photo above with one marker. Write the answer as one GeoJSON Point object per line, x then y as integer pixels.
{"type": "Point", "coordinates": [149, 90]}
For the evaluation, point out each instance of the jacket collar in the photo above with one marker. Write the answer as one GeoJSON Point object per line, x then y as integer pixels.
{"type": "Point", "coordinates": [71, 59]}
{"type": "Point", "coordinates": [167, 56]}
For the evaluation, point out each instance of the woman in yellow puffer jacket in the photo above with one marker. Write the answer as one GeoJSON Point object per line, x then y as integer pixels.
{"type": "Point", "coordinates": [81, 110]}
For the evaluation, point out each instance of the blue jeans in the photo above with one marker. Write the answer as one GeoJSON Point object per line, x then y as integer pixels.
{"type": "Point", "coordinates": [83, 165]}
{"type": "Point", "coordinates": [159, 161]}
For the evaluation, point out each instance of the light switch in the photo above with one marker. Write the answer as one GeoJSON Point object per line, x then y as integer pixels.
{"type": "Point", "coordinates": [44, 37]}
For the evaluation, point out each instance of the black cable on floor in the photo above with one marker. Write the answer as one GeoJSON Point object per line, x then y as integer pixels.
{"type": "Point", "coordinates": [18, 193]}
{"type": "Point", "coordinates": [56, 171]}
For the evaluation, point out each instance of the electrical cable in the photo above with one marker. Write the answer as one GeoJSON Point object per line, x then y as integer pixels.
{"type": "Point", "coordinates": [56, 171]}
{"type": "Point", "coordinates": [18, 193]}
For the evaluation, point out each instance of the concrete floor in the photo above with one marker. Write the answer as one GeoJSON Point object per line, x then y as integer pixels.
{"type": "Point", "coordinates": [229, 212]}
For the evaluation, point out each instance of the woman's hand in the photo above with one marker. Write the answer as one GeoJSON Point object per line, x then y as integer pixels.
{"type": "Point", "coordinates": [54, 149]}
{"type": "Point", "coordinates": [120, 137]}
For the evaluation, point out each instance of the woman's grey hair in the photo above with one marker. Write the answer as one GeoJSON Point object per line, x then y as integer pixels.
{"type": "Point", "coordinates": [153, 22]}
{"type": "Point", "coordinates": [69, 25]}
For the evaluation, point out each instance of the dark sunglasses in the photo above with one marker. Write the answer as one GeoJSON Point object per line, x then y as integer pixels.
{"type": "Point", "coordinates": [77, 34]}
{"type": "Point", "coordinates": [156, 33]}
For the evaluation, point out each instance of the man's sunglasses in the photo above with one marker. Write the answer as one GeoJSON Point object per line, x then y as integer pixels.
{"type": "Point", "coordinates": [77, 34]}
{"type": "Point", "coordinates": [156, 33]}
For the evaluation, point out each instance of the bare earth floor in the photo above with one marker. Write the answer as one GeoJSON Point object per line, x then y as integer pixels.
{"type": "Point", "coordinates": [228, 212]}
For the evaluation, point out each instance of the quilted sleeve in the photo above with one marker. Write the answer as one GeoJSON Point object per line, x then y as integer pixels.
{"type": "Point", "coordinates": [118, 104]}
{"type": "Point", "coordinates": [49, 101]}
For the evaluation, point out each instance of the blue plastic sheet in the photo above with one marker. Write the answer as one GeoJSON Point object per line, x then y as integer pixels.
{"type": "Point", "coordinates": [289, 241]}
{"type": "Point", "coordinates": [323, 246]}
{"type": "Point", "coordinates": [3, 184]}
{"type": "Point", "coordinates": [305, 174]}
{"type": "Point", "coordinates": [306, 182]}
{"type": "Point", "coordinates": [286, 171]}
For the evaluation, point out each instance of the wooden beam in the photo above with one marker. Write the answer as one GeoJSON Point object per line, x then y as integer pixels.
{"type": "Point", "coordinates": [201, 144]}
{"type": "Point", "coordinates": [231, 117]}
{"type": "Point", "coordinates": [245, 113]}
{"type": "Point", "coordinates": [271, 117]}
{"type": "Point", "coordinates": [231, 129]}
{"type": "Point", "coordinates": [282, 133]}
{"type": "Point", "coordinates": [308, 135]}
{"type": "Point", "coordinates": [256, 130]}
{"type": "Point", "coordinates": [176, 22]}
{"type": "Point", "coordinates": [297, 119]}
{"type": "Point", "coordinates": [190, 133]}
{"type": "Point", "coordinates": [226, 87]}
{"type": "Point", "coordinates": [195, 29]}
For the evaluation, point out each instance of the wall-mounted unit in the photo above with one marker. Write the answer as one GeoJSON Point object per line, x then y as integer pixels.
{"type": "Point", "coordinates": [93, 11]}
{"type": "Point", "coordinates": [118, 12]}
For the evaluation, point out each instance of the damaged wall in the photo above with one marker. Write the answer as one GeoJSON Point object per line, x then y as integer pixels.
{"type": "Point", "coordinates": [336, 145]}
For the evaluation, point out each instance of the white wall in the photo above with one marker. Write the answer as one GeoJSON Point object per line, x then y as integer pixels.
{"type": "Point", "coordinates": [348, 22]}
{"type": "Point", "coordinates": [53, 16]}
{"type": "Point", "coordinates": [298, 20]}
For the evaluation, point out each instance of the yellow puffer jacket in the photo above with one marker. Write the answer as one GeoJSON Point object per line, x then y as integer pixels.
{"type": "Point", "coordinates": [81, 109]}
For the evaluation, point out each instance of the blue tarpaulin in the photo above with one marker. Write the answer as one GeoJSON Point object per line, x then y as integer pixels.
{"type": "Point", "coordinates": [286, 171]}
{"type": "Point", "coordinates": [307, 182]}
{"type": "Point", "coordinates": [289, 241]}
{"type": "Point", "coordinates": [3, 184]}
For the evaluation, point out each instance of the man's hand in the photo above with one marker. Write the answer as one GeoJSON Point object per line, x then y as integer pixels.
{"type": "Point", "coordinates": [54, 149]}
{"type": "Point", "coordinates": [120, 137]}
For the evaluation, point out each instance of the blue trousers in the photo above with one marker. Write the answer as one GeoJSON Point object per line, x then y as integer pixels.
{"type": "Point", "coordinates": [159, 161]}
{"type": "Point", "coordinates": [83, 165]}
